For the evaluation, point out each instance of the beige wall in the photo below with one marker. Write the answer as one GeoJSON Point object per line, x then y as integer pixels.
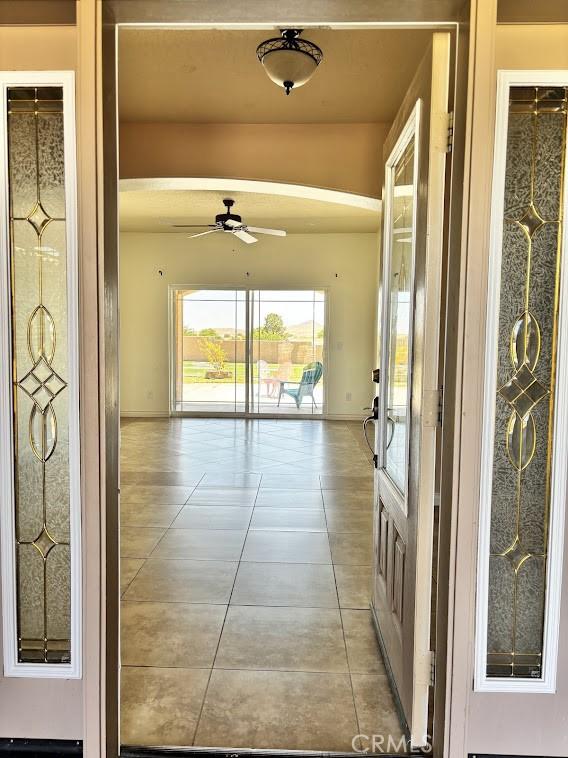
{"type": "Point", "coordinates": [334, 156]}
{"type": "Point", "coordinates": [300, 260]}
{"type": "Point", "coordinates": [531, 46]}
{"type": "Point", "coordinates": [38, 48]}
{"type": "Point", "coordinates": [41, 708]}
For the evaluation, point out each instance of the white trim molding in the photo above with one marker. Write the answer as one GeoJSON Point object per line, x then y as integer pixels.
{"type": "Point", "coordinates": [280, 189]}
{"type": "Point", "coordinates": [12, 667]}
{"type": "Point", "coordinates": [547, 683]}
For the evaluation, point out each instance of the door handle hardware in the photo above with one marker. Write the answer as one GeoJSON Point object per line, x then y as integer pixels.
{"type": "Point", "coordinates": [366, 423]}
{"type": "Point", "coordinates": [391, 423]}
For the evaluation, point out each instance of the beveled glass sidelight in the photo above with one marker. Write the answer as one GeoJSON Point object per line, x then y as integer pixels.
{"type": "Point", "coordinates": [525, 388]}
{"type": "Point", "coordinates": [40, 373]}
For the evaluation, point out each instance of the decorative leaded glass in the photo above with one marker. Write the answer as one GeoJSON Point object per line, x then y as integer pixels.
{"type": "Point", "coordinates": [526, 368]}
{"type": "Point", "coordinates": [39, 309]}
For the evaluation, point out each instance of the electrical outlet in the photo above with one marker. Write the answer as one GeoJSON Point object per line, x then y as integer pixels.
{"type": "Point", "coordinates": [348, 396]}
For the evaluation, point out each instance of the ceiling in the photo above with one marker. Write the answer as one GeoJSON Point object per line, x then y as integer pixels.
{"type": "Point", "coordinates": [156, 210]}
{"type": "Point", "coordinates": [213, 76]}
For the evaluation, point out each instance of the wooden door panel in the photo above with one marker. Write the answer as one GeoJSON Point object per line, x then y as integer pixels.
{"type": "Point", "coordinates": [413, 203]}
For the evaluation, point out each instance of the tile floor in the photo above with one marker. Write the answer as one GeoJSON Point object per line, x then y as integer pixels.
{"type": "Point", "coordinates": [245, 572]}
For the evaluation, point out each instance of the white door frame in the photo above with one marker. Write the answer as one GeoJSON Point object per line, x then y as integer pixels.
{"type": "Point", "coordinates": [136, 16]}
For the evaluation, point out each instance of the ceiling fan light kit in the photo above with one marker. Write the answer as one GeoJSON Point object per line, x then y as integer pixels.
{"type": "Point", "coordinates": [233, 224]}
{"type": "Point", "coordinates": [288, 60]}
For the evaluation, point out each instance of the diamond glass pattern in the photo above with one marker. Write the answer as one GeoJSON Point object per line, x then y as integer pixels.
{"type": "Point", "coordinates": [44, 542]}
{"type": "Point", "coordinates": [531, 220]}
{"type": "Point", "coordinates": [42, 384]}
{"type": "Point", "coordinates": [523, 391]}
{"type": "Point", "coordinates": [517, 554]}
{"type": "Point", "coordinates": [38, 218]}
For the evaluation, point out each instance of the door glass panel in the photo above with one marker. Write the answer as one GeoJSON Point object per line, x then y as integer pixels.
{"type": "Point", "coordinates": [40, 374]}
{"type": "Point", "coordinates": [287, 340]}
{"type": "Point", "coordinates": [526, 373]}
{"type": "Point", "coordinates": [210, 351]}
{"type": "Point", "coordinates": [399, 317]}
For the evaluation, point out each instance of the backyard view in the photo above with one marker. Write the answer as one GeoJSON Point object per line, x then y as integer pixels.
{"type": "Point", "coordinates": [270, 362]}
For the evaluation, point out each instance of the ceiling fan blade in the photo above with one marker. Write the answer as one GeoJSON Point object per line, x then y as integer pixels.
{"type": "Point", "coordinates": [260, 230]}
{"type": "Point", "coordinates": [245, 237]}
{"type": "Point", "coordinates": [193, 226]}
{"type": "Point", "coordinates": [201, 234]}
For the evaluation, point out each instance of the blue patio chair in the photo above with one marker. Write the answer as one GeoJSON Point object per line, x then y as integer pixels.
{"type": "Point", "coordinates": [311, 375]}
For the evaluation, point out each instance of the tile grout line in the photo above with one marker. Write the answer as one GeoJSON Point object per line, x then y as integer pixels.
{"type": "Point", "coordinates": [123, 593]}
{"type": "Point", "coordinates": [251, 670]}
{"type": "Point", "coordinates": [144, 560]}
{"type": "Point", "coordinates": [155, 547]}
{"type": "Point", "coordinates": [198, 720]}
{"type": "Point", "coordinates": [168, 528]}
{"type": "Point", "coordinates": [342, 626]}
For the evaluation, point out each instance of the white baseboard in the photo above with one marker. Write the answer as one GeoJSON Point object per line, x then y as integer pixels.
{"type": "Point", "coordinates": [165, 414]}
{"type": "Point", "coordinates": [345, 417]}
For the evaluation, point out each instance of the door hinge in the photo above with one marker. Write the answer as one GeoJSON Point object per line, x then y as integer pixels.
{"type": "Point", "coordinates": [450, 134]}
{"type": "Point", "coordinates": [433, 402]}
{"type": "Point", "coordinates": [432, 668]}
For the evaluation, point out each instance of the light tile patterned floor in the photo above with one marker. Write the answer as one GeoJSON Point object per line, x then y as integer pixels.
{"type": "Point", "coordinates": [246, 566]}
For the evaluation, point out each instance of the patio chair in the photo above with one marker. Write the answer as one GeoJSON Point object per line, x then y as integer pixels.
{"type": "Point", "coordinates": [264, 376]}
{"type": "Point", "coordinates": [311, 375]}
{"type": "Point", "coordinates": [274, 380]}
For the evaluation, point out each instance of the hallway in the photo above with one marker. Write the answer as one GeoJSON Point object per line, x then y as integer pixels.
{"type": "Point", "coordinates": [245, 596]}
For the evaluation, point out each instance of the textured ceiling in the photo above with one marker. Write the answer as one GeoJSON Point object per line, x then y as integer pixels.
{"type": "Point", "coordinates": [155, 210]}
{"type": "Point", "coordinates": [213, 76]}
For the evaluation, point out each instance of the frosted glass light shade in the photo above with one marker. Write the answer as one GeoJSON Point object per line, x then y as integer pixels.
{"type": "Point", "coordinates": [289, 60]}
{"type": "Point", "coordinates": [293, 66]}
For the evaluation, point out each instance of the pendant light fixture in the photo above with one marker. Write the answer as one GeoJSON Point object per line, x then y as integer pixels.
{"type": "Point", "coordinates": [288, 60]}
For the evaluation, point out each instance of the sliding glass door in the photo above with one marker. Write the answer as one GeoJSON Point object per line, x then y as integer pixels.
{"type": "Point", "coordinates": [210, 350]}
{"type": "Point", "coordinates": [248, 352]}
{"type": "Point", "coordinates": [287, 340]}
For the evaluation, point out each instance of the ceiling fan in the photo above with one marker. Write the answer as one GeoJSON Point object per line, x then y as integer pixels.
{"type": "Point", "coordinates": [232, 223]}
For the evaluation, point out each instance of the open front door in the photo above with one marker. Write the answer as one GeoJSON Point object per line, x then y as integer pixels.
{"type": "Point", "coordinates": [409, 389]}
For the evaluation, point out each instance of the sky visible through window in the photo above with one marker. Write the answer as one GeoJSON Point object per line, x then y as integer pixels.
{"type": "Point", "coordinates": [214, 309]}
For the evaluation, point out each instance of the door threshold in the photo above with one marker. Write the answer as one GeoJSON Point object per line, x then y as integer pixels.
{"type": "Point", "coordinates": [250, 416]}
{"type": "Point", "coordinates": [132, 751]}
{"type": "Point", "coordinates": [40, 748]}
